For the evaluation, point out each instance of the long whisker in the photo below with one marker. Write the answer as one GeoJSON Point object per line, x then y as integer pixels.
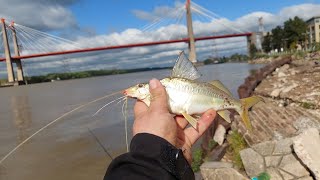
{"type": "Point", "coordinates": [125, 114]}
{"type": "Point", "coordinates": [107, 105]}
{"type": "Point", "coordinates": [121, 100]}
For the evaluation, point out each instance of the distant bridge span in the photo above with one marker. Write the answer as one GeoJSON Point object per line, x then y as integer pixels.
{"type": "Point", "coordinates": [186, 40]}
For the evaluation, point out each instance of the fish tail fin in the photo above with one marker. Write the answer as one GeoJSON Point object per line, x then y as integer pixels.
{"type": "Point", "coordinates": [246, 104]}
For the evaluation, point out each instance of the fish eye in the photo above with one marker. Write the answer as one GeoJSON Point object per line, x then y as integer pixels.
{"type": "Point", "coordinates": [140, 85]}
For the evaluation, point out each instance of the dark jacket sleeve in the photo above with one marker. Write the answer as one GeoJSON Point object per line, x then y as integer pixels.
{"type": "Point", "coordinates": [150, 157]}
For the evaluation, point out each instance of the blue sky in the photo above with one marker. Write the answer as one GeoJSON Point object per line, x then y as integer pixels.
{"type": "Point", "coordinates": [96, 23]}
{"type": "Point", "coordinates": [116, 15]}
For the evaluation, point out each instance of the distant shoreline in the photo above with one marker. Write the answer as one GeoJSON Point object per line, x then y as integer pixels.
{"type": "Point", "coordinates": [51, 77]}
{"type": "Point", "coordinates": [78, 75]}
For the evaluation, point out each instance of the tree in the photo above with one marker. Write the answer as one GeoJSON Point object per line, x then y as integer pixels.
{"type": "Point", "coordinates": [253, 50]}
{"type": "Point", "coordinates": [277, 38]}
{"type": "Point", "coordinates": [267, 43]}
{"type": "Point", "coordinates": [295, 31]}
{"type": "Point", "coordinates": [208, 61]}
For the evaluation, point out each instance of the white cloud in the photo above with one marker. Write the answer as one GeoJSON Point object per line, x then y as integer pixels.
{"type": "Point", "coordinates": [39, 14]}
{"type": "Point", "coordinates": [304, 11]}
{"type": "Point", "coordinates": [159, 12]}
{"type": "Point", "coordinates": [162, 55]}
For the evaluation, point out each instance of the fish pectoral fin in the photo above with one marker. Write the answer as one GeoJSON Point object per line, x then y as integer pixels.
{"type": "Point", "coordinates": [196, 116]}
{"type": "Point", "coordinates": [225, 114]}
{"type": "Point", "coordinates": [190, 119]}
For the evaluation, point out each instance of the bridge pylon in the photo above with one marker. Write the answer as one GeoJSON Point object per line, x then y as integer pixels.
{"type": "Point", "coordinates": [9, 59]}
{"type": "Point", "coordinates": [7, 53]}
{"type": "Point", "coordinates": [20, 76]}
{"type": "Point", "coordinates": [192, 47]}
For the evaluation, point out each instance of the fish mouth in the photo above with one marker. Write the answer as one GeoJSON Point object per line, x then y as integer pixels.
{"type": "Point", "coordinates": [127, 94]}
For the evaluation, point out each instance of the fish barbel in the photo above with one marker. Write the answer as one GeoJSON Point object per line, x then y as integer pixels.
{"type": "Point", "coordinates": [189, 97]}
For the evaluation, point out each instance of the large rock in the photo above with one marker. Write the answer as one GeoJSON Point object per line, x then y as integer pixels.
{"type": "Point", "coordinates": [274, 174]}
{"type": "Point", "coordinates": [303, 123]}
{"type": "Point", "coordinates": [275, 93]}
{"type": "Point", "coordinates": [292, 165]}
{"type": "Point", "coordinates": [220, 171]}
{"type": "Point", "coordinates": [307, 148]}
{"type": "Point", "coordinates": [276, 158]}
{"type": "Point", "coordinates": [264, 148]}
{"type": "Point", "coordinates": [284, 68]}
{"type": "Point", "coordinates": [283, 146]}
{"type": "Point", "coordinates": [289, 88]}
{"type": "Point", "coordinates": [252, 162]}
{"type": "Point", "coordinates": [281, 74]}
{"type": "Point", "coordinates": [220, 134]}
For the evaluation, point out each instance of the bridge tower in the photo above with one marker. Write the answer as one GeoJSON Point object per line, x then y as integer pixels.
{"type": "Point", "coordinates": [17, 53]}
{"type": "Point", "coordinates": [192, 47]}
{"type": "Point", "coordinates": [7, 52]}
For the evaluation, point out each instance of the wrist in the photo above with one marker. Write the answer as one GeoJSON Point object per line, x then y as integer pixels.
{"type": "Point", "coordinates": [156, 148]}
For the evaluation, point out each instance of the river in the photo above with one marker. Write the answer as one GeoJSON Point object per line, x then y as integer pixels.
{"type": "Point", "coordinates": [78, 145]}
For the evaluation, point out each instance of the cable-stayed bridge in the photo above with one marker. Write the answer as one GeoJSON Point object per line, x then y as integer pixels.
{"type": "Point", "coordinates": [28, 43]}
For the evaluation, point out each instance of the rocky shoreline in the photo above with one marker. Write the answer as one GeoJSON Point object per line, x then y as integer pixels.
{"type": "Point", "coordinates": [280, 142]}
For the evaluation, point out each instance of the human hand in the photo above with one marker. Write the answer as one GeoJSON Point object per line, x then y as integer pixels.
{"type": "Point", "coordinates": [157, 120]}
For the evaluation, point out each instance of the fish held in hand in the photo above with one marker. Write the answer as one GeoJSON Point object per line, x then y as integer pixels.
{"type": "Point", "coordinates": [189, 98]}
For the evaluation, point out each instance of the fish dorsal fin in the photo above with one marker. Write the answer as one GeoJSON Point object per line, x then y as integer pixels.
{"type": "Point", "coordinates": [219, 85]}
{"type": "Point", "coordinates": [184, 68]}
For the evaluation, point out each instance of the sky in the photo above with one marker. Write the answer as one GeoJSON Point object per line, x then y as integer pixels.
{"type": "Point", "coordinates": [124, 17]}
{"type": "Point", "coordinates": [94, 23]}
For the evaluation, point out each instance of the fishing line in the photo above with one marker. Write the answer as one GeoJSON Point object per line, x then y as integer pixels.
{"type": "Point", "coordinates": [52, 122]}
{"type": "Point", "coordinates": [104, 149]}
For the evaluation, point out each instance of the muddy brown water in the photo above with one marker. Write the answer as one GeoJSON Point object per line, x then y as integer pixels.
{"type": "Point", "coordinates": [74, 147]}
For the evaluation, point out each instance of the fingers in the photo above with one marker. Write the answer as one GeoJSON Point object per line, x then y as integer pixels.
{"type": "Point", "coordinates": [203, 124]}
{"type": "Point", "coordinates": [139, 108]}
{"type": "Point", "coordinates": [187, 154]}
{"type": "Point", "coordinates": [158, 96]}
{"type": "Point", "coordinates": [181, 121]}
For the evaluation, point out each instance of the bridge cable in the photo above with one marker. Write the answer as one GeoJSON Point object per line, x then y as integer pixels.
{"type": "Point", "coordinates": [213, 16]}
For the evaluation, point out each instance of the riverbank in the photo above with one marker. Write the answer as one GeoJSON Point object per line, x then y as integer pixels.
{"type": "Point", "coordinates": [291, 93]}
{"type": "Point", "coordinates": [79, 75]}
{"type": "Point", "coordinates": [292, 101]}
{"type": "Point", "coordinates": [283, 136]}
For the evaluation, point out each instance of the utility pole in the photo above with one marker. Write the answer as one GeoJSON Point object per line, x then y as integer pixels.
{"type": "Point", "coordinates": [7, 52]}
{"type": "Point", "coordinates": [17, 53]}
{"type": "Point", "coordinates": [192, 47]}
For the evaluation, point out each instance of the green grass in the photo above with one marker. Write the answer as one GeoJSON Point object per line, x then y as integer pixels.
{"type": "Point", "coordinates": [197, 160]}
{"type": "Point", "coordinates": [308, 105]}
{"type": "Point", "coordinates": [236, 144]}
{"type": "Point", "coordinates": [3, 81]}
{"type": "Point", "coordinates": [212, 144]}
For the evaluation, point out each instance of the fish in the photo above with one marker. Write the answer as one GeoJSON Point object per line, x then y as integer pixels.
{"type": "Point", "coordinates": [190, 98]}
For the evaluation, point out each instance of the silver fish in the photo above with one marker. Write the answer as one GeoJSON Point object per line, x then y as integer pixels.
{"type": "Point", "coordinates": [190, 98]}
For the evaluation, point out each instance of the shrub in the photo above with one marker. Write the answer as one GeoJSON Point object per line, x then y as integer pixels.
{"type": "Point", "coordinates": [237, 143]}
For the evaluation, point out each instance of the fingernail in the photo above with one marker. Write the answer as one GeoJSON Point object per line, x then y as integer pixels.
{"type": "Point", "coordinates": [153, 83]}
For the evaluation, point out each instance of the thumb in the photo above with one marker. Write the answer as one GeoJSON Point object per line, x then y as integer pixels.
{"type": "Point", "coordinates": [158, 95]}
